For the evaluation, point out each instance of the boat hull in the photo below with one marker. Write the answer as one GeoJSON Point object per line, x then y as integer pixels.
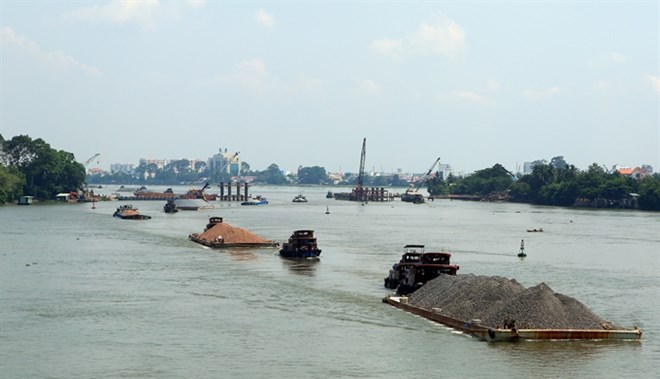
{"type": "Point", "coordinates": [132, 217]}
{"type": "Point", "coordinates": [224, 245]}
{"type": "Point", "coordinates": [485, 333]}
{"type": "Point", "coordinates": [300, 253]}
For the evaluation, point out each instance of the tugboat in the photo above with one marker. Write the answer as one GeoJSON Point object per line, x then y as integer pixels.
{"type": "Point", "coordinates": [170, 207]}
{"type": "Point", "coordinates": [301, 244]}
{"type": "Point", "coordinates": [127, 212]}
{"type": "Point", "coordinates": [417, 267]}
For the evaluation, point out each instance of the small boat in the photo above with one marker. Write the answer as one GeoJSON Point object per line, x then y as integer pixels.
{"type": "Point", "coordinates": [301, 244]}
{"type": "Point", "coordinates": [170, 207]}
{"type": "Point", "coordinates": [539, 230]}
{"type": "Point", "coordinates": [128, 212]}
{"type": "Point", "coordinates": [256, 201]}
{"type": "Point", "coordinates": [412, 197]}
{"type": "Point", "coordinates": [299, 199]}
{"type": "Point", "coordinates": [417, 267]}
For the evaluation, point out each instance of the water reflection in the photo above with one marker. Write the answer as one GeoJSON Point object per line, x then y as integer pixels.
{"type": "Point", "coordinates": [306, 266]}
{"type": "Point", "coordinates": [538, 352]}
{"type": "Point", "coordinates": [241, 254]}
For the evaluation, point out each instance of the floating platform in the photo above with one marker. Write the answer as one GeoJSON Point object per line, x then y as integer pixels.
{"type": "Point", "coordinates": [485, 333]}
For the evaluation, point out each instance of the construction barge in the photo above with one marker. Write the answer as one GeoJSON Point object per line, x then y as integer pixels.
{"type": "Point", "coordinates": [475, 329]}
{"type": "Point", "coordinates": [360, 192]}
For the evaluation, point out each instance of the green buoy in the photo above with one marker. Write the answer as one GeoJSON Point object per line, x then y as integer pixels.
{"type": "Point", "coordinates": [522, 249]}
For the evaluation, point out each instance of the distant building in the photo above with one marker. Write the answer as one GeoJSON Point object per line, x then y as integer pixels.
{"type": "Point", "coordinates": [160, 163]}
{"type": "Point", "coordinates": [122, 167]}
{"type": "Point", "coordinates": [634, 172]}
{"type": "Point", "coordinates": [233, 167]}
{"type": "Point", "coordinates": [443, 171]}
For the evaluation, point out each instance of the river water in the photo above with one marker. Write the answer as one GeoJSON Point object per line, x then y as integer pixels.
{"type": "Point", "coordinates": [87, 295]}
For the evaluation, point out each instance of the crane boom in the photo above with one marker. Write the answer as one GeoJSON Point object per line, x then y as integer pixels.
{"type": "Point", "coordinates": [360, 180]}
{"type": "Point", "coordinates": [417, 185]}
{"type": "Point", "coordinates": [87, 162]}
{"type": "Point", "coordinates": [224, 165]}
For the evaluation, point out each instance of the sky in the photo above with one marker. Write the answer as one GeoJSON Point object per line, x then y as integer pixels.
{"type": "Point", "coordinates": [302, 83]}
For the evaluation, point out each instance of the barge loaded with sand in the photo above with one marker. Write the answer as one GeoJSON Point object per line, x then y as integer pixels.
{"type": "Point", "coordinates": [501, 309]}
{"type": "Point", "coordinates": [219, 234]}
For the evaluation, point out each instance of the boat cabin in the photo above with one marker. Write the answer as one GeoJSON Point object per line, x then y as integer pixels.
{"type": "Point", "coordinates": [416, 268]}
{"type": "Point", "coordinates": [435, 258]}
{"type": "Point", "coordinates": [25, 200]}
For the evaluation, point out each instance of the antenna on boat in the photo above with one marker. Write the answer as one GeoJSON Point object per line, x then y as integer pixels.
{"type": "Point", "coordinates": [522, 249]}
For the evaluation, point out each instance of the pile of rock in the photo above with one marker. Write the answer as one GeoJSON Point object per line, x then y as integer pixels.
{"type": "Point", "coordinates": [229, 234]}
{"type": "Point", "coordinates": [497, 301]}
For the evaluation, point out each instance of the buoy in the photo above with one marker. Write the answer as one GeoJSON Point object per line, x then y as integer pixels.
{"type": "Point", "coordinates": [522, 249]}
{"type": "Point", "coordinates": [327, 210]}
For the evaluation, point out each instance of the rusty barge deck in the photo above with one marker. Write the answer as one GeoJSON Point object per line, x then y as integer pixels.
{"type": "Point", "coordinates": [485, 333]}
{"type": "Point", "coordinates": [227, 245]}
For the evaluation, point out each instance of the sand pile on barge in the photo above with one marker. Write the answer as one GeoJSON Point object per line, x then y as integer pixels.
{"type": "Point", "coordinates": [218, 233]}
{"type": "Point", "coordinates": [495, 300]}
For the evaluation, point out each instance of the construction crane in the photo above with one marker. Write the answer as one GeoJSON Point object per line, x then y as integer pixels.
{"type": "Point", "coordinates": [87, 162]}
{"type": "Point", "coordinates": [360, 182]}
{"type": "Point", "coordinates": [198, 193]}
{"type": "Point", "coordinates": [411, 195]}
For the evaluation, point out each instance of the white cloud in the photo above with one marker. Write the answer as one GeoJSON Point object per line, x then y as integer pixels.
{"type": "Point", "coordinates": [465, 96]}
{"type": "Point", "coordinates": [493, 85]}
{"type": "Point", "coordinates": [608, 59]}
{"type": "Point", "coordinates": [617, 57]}
{"type": "Point", "coordinates": [311, 85]}
{"type": "Point", "coordinates": [602, 86]}
{"type": "Point", "coordinates": [146, 13]}
{"type": "Point", "coordinates": [390, 47]}
{"type": "Point", "coordinates": [368, 87]}
{"type": "Point", "coordinates": [540, 94]}
{"type": "Point", "coordinates": [252, 75]}
{"type": "Point", "coordinates": [655, 82]}
{"type": "Point", "coordinates": [441, 36]}
{"type": "Point", "coordinates": [195, 3]}
{"type": "Point", "coordinates": [57, 59]}
{"type": "Point", "coordinates": [265, 19]}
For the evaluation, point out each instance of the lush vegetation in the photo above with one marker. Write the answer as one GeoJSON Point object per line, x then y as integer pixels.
{"type": "Point", "coordinates": [555, 184]}
{"type": "Point", "coordinates": [32, 167]}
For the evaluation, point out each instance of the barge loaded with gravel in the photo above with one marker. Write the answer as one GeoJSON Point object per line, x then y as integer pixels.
{"type": "Point", "coordinates": [219, 234]}
{"type": "Point", "coordinates": [501, 309]}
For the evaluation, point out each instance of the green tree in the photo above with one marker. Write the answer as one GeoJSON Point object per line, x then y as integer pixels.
{"type": "Point", "coordinates": [649, 193]}
{"type": "Point", "coordinates": [484, 182]}
{"type": "Point", "coordinates": [272, 175]}
{"type": "Point", "coordinates": [312, 175]}
{"type": "Point", "coordinates": [46, 171]}
{"type": "Point", "coordinates": [11, 184]}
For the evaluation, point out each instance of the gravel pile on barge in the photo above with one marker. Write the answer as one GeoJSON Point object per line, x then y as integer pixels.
{"type": "Point", "coordinates": [497, 301]}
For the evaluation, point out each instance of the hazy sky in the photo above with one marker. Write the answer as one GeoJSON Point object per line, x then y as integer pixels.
{"type": "Point", "coordinates": [302, 83]}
